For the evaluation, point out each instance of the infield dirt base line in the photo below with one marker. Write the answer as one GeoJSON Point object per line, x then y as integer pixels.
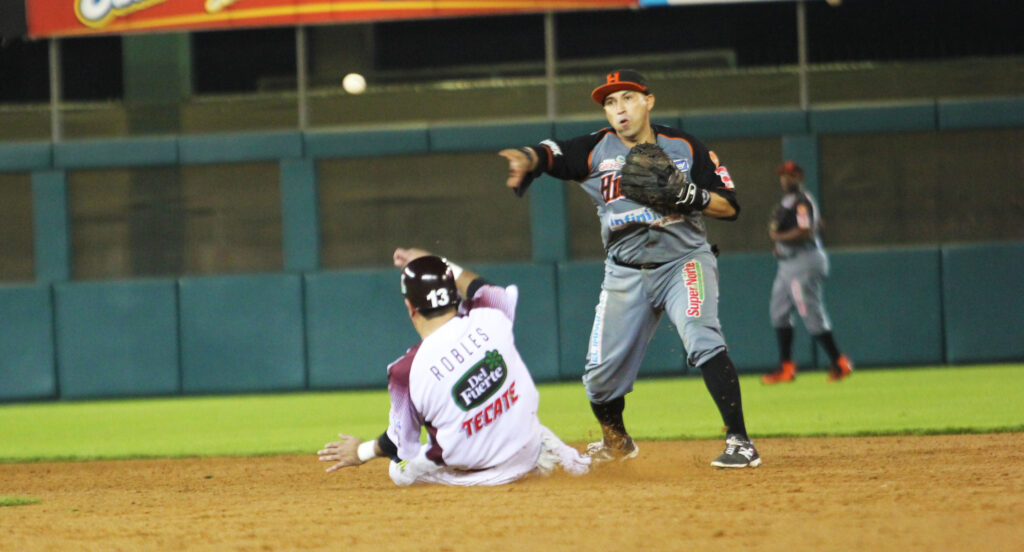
{"type": "Point", "coordinates": [951, 492]}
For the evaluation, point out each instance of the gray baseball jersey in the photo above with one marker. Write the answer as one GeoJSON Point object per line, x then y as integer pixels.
{"type": "Point", "coordinates": [656, 262]}
{"type": "Point", "coordinates": [797, 209]}
{"type": "Point", "coordinates": [803, 266]}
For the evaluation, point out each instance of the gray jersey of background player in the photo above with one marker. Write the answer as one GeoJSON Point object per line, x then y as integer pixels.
{"type": "Point", "coordinates": [794, 229]}
{"type": "Point", "coordinates": [656, 262]}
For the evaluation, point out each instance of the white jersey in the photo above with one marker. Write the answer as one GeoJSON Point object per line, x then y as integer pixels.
{"type": "Point", "coordinates": [468, 387]}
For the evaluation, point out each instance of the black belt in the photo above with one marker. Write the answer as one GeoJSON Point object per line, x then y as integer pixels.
{"type": "Point", "coordinates": [641, 266]}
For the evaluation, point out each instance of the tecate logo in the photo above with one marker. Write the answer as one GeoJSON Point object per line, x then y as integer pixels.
{"type": "Point", "coordinates": [98, 13]}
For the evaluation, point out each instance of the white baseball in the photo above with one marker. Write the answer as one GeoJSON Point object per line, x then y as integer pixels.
{"type": "Point", "coordinates": [354, 83]}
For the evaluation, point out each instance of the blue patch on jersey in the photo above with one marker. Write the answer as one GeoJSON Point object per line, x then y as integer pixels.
{"type": "Point", "coordinates": [683, 165]}
{"type": "Point", "coordinates": [642, 215]}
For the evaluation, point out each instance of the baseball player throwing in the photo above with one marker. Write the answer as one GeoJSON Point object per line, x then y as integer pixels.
{"type": "Point", "coordinates": [657, 261]}
{"type": "Point", "coordinates": [800, 280]}
{"type": "Point", "coordinates": [464, 383]}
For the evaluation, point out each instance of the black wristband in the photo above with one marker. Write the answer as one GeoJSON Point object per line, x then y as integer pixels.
{"type": "Point", "coordinates": [703, 199]}
{"type": "Point", "coordinates": [529, 153]}
{"type": "Point", "coordinates": [530, 174]}
{"type": "Point", "coordinates": [387, 446]}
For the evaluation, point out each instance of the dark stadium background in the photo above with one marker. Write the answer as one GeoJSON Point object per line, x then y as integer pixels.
{"type": "Point", "coordinates": [759, 34]}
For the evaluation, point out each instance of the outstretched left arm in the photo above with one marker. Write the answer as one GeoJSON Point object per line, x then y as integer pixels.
{"type": "Point", "coordinates": [344, 453]}
{"type": "Point", "coordinates": [351, 451]}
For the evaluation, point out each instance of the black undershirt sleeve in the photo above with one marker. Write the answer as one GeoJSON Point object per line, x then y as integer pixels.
{"type": "Point", "coordinates": [388, 447]}
{"type": "Point", "coordinates": [475, 286]}
{"type": "Point", "coordinates": [567, 159]}
{"type": "Point", "coordinates": [703, 173]}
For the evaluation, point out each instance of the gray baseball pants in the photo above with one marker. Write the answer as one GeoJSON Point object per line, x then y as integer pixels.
{"type": "Point", "coordinates": [630, 307]}
{"type": "Point", "coordinates": [799, 288]}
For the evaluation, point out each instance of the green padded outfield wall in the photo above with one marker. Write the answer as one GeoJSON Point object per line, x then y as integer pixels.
{"type": "Point", "coordinates": [117, 338]}
{"type": "Point", "coordinates": [983, 301]}
{"type": "Point", "coordinates": [26, 343]}
{"type": "Point", "coordinates": [886, 306]}
{"type": "Point", "coordinates": [242, 333]}
{"type": "Point", "coordinates": [251, 333]}
{"type": "Point", "coordinates": [356, 324]}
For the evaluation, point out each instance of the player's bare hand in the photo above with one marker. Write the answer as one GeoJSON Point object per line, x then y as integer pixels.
{"type": "Point", "coordinates": [343, 453]}
{"type": "Point", "coordinates": [518, 165]}
{"type": "Point", "coordinates": [404, 256]}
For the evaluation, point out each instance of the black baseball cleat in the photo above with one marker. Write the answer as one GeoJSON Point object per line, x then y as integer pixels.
{"type": "Point", "coordinates": [739, 453]}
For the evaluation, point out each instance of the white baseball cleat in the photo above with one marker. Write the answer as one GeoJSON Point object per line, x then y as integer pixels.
{"type": "Point", "coordinates": [599, 451]}
{"type": "Point", "coordinates": [555, 453]}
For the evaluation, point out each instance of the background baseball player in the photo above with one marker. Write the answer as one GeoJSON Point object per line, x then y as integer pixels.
{"type": "Point", "coordinates": [657, 262]}
{"type": "Point", "coordinates": [464, 383]}
{"type": "Point", "coordinates": [800, 280]}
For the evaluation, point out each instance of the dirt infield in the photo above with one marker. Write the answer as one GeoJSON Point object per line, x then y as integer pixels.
{"type": "Point", "coordinates": [956, 492]}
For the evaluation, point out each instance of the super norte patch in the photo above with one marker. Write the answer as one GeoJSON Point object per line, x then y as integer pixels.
{"type": "Point", "coordinates": [693, 278]}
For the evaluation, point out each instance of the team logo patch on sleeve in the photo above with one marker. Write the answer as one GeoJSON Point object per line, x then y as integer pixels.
{"type": "Point", "coordinates": [693, 278]}
{"type": "Point", "coordinates": [481, 381]}
{"type": "Point", "coordinates": [725, 177]}
{"type": "Point", "coordinates": [803, 217]}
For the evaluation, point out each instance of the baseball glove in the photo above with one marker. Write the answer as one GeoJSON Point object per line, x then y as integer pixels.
{"type": "Point", "coordinates": [650, 178]}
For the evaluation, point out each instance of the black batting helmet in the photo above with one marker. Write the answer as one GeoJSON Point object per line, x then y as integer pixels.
{"type": "Point", "coordinates": [429, 284]}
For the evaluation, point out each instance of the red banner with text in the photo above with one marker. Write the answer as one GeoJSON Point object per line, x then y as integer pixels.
{"type": "Point", "coordinates": [48, 18]}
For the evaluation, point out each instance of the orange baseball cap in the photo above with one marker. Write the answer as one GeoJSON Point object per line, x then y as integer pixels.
{"type": "Point", "coordinates": [790, 167]}
{"type": "Point", "coordinates": [620, 79]}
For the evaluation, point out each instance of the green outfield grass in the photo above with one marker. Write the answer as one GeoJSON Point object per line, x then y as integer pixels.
{"type": "Point", "coordinates": [872, 402]}
{"type": "Point", "coordinates": [18, 500]}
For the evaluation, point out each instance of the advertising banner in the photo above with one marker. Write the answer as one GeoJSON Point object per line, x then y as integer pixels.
{"type": "Point", "coordinates": [649, 3]}
{"type": "Point", "coordinates": [54, 18]}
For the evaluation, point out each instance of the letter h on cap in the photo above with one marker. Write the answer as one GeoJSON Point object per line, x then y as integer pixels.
{"type": "Point", "coordinates": [612, 78]}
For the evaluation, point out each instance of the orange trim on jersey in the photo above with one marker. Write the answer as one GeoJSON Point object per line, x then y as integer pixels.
{"type": "Point", "coordinates": [551, 158]}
